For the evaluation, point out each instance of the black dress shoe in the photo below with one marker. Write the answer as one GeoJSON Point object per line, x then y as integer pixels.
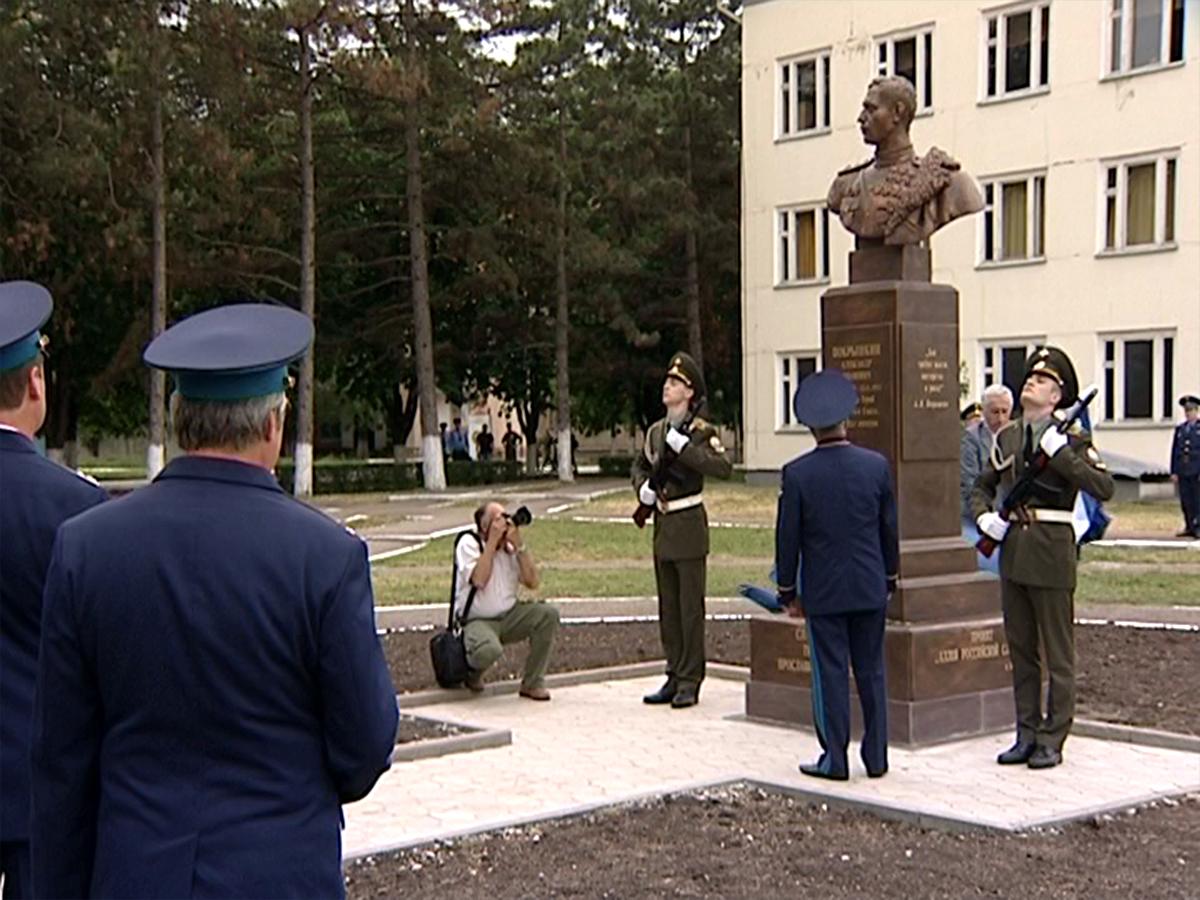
{"type": "Point", "coordinates": [664, 694]}
{"type": "Point", "coordinates": [815, 770]}
{"type": "Point", "coordinates": [876, 773]}
{"type": "Point", "coordinates": [1044, 758]}
{"type": "Point", "coordinates": [685, 697]}
{"type": "Point", "coordinates": [1019, 752]}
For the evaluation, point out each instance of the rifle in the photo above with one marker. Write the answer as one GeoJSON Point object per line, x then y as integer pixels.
{"type": "Point", "coordinates": [661, 473]}
{"type": "Point", "coordinates": [1024, 485]}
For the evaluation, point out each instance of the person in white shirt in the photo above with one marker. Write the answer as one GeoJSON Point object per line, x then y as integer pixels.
{"type": "Point", "coordinates": [492, 562]}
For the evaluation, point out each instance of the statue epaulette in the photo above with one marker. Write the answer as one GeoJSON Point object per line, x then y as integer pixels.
{"type": "Point", "coordinates": [850, 170]}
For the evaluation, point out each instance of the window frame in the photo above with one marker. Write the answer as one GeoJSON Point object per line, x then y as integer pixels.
{"type": "Point", "coordinates": [1111, 406]}
{"type": "Point", "coordinates": [1122, 10]}
{"type": "Point", "coordinates": [922, 36]}
{"type": "Point", "coordinates": [820, 248]}
{"type": "Point", "coordinates": [993, 214]}
{"type": "Point", "coordinates": [1039, 77]}
{"type": "Point", "coordinates": [785, 423]}
{"type": "Point", "coordinates": [823, 60]}
{"type": "Point", "coordinates": [1119, 194]}
{"type": "Point", "coordinates": [991, 373]}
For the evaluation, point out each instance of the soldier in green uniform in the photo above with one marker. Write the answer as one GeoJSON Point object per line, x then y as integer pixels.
{"type": "Point", "coordinates": [668, 475]}
{"type": "Point", "coordinates": [1038, 554]}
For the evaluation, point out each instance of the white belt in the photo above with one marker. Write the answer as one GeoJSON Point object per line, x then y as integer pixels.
{"type": "Point", "coordinates": [1062, 516]}
{"type": "Point", "coordinates": [670, 506]}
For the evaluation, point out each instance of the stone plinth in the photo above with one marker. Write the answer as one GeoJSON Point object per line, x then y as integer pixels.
{"type": "Point", "coordinates": [896, 336]}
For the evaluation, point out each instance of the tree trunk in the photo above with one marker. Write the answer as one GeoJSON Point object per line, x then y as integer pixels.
{"type": "Point", "coordinates": [695, 344]}
{"type": "Point", "coordinates": [403, 415]}
{"type": "Point", "coordinates": [155, 452]}
{"type": "Point", "coordinates": [431, 447]}
{"type": "Point", "coordinates": [562, 322]}
{"type": "Point", "coordinates": [303, 456]}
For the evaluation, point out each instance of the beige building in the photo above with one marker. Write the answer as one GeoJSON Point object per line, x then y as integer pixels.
{"type": "Point", "coordinates": [1081, 121]}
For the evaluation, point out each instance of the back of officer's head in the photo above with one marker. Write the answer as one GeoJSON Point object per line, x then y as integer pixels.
{"type": "Point", "coordinates": [23, 395]}
{"type": "Point", "coordinates": [228, 425]}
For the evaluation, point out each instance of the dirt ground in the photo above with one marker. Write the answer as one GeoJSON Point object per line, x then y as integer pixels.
{"type": "Point", "coordinates": [1124, 675]}
{"type": "Point", "coordinates": [741, 842]}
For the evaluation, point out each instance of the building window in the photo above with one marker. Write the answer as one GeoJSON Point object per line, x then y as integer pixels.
{"type": "Point", "coordinates": [802, 244]}
{"type": "Point", "coordinates": [1017, 51]}
{"type": "Point", "coordinates": [909, 55]}
{"type": "Point", "coordinates": [794, 367]}
{"type": "Point", "coordinates": [1138, 200]}
{"type": "Point", "coordinates": [1144, 33]}
{"type": "Point", "coordinates": [1014, 219]}
{"type": "Point", "coordinates": [1139, 377]}
{"type": "Point", "coordinates": [1004, 362]}
{"type": "Point", "coordinates": [804, 94]}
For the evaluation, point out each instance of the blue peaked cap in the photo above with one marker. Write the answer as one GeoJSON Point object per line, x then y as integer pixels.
{"type": "Point", "coordinates": [234, 352]}
{"type": "Point", "coordinates": [825, 398]}
{"type": "Point", "coordinates": [24, 308]}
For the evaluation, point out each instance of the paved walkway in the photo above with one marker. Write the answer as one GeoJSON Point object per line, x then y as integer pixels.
{"type": "Point", "coordinates": [596, 744]}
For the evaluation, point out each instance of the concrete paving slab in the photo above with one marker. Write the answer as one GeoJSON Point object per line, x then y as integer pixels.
{"type": "Point", "coordinates": [597, 744]}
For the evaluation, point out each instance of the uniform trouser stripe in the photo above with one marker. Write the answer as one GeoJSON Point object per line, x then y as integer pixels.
{"type": "Point", "coordinates": [818, 695]}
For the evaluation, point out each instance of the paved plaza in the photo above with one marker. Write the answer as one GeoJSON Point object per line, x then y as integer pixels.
{"type": "Point", "coordinates": [597, 744]}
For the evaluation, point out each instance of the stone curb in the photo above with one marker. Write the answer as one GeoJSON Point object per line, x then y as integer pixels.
{"type": "Point", "coordinates": [1129, 734]}
{"type": "Point", "coordinates": [481, 739]}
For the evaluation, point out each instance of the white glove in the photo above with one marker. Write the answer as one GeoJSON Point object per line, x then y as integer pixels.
{"type": "Point", "coordinates": [1052, 441]}
{"type": "Point", "coordinates": [646, 494]}
{"type": "Point", "coordinates": [992, 525]}
{"type": "Point", "coordinates": [677, 439]}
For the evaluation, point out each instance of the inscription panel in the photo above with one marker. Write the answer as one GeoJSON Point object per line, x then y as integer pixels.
{"type": "Point", "coordinates": [867, 354]}
{"type": "Point", "coordinates": [930, 428]}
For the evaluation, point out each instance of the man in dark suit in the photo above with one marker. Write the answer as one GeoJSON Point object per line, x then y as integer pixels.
{"type": "Point", "coordinates": [1038, 556]}
{"type": "Point", "coordinates": [837, 521]}
{"type": "Point", "coordinates": [1185, 464]}
{"type": "Point", "coordinates": [36, 496]}
{"type": "Point", "coordinates": [210, 686]}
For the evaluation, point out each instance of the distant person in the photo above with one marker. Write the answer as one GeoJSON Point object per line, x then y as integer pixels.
{"type": "Point", "coordinates": [485, 444]}
{"type": "Point", "coordinates": [1038, 554]}
{"type": "Point", "coordinates": [837, 522]}
{"type": "Point", "coordinates": [445, 437]}
{"type": "Point", "coordinates": [511, 442]}
{"type": "Point", "coordinates": [975, 445]}
{"type": "Point", "coordinates": [971, 413]}
{"type": "Point", "coordinates": [457, 442]}
{"type": "Point", "coordinates": [36, 496]}
{"type": "Point", "coordinates": [491, 563]}
{"type": "Point", "coordinates": [1185, 465]}
{"type": "Point", "coordinates": [211, 689]}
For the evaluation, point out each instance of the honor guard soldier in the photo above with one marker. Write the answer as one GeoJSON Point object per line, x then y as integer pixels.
{"type": "Point", "coordinates": [211, 689]}
{"type": "Point", "coordinates": [1038, 555]}
{"type": "Point", "coordinates": [1185, 465]}
{"type": "Point", "coordinates": [668, 476]}
{"type": "Point", "coordinates": [837, 519]}
{"type": "Point", "coordinates": [36, 496]}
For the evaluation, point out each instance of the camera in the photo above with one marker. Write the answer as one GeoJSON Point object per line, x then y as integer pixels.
{"type": "Point", "coordinates": [521, 517]}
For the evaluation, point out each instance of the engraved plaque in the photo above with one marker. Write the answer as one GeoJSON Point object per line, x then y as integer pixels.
{"type": "Point", "coordinates": [929, 374]}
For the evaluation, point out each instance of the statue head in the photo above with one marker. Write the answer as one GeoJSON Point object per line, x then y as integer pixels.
{"type": "Point", "coordinates": [890, 104]}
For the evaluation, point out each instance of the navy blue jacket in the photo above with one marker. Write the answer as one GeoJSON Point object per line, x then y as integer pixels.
{"type": "Point", "coordinates": [1185, 450]}
{"type": "Point", "coordinates": [210, 690]}
{"type": "Point", "coordinates": [36, 496]}
{"type": "Point", "coordinates": [837, 518]}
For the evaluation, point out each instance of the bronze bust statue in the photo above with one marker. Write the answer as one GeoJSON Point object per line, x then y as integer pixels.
{"type": "Point", "coordinates": [899, 198]}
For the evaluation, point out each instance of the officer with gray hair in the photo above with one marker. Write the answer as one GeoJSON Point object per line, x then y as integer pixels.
{"type": "Point", "coordinates": [976, 443]}
{"type": "Point", "coordinates": [210, 687]}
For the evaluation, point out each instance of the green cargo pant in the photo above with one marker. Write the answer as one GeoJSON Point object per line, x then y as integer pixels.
{"type": "Point", "coordinates": [535, 622]}
{"type": "Point", "coordinates": [1037, 618]}
{"type": "Point", "coordinates": [681, 584]}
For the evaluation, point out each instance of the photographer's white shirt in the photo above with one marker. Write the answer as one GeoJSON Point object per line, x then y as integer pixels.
{"type": "Point", "coordinates": [496, 597]}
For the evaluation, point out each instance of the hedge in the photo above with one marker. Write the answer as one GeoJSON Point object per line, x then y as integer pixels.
{"type": "Point", "coordinates": [354, 476]}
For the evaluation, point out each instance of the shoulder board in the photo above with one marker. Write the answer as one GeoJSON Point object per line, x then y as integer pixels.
{"type": "Point", "coordinates": [699, 424]}
{"type": "Point", "coordinates": [79, 473]}
{"type": "Point", "coordinates": [850, 170]}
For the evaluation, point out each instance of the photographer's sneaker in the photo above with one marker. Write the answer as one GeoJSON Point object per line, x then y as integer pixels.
{"type": "Point", "coordinates": [535, 693]}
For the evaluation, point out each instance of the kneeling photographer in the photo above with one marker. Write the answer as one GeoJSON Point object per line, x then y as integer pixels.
{"type": "Point", "coordinates": [489, 569]}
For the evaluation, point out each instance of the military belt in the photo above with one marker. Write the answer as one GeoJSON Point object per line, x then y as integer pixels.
{"type": "Point", "coordinates": [1061, 516]}
{"type": "Point", "coordinates": [675, 505]}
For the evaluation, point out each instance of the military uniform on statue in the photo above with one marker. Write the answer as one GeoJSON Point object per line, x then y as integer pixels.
{"type": "Point", "coordinates": [1038, 556]}
{"type": "Point", "coordinates": [668, 476]}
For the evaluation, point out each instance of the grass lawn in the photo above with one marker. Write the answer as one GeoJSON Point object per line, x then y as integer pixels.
{"type": "Point", "coordinates": [725, 501]}
{"type": "Point", "coordinates": [1164, 588]}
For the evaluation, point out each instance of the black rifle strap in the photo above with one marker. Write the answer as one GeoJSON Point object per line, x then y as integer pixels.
{"type": "Point", "coordinates": [454, 582]}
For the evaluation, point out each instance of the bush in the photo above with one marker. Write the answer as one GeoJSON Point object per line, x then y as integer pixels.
{"type": "Point", "coordinates": [356, 476]}
{"type": "Point", "coordinates": [616, 466]}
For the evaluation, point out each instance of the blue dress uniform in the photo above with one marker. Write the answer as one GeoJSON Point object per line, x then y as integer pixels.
{"type": "Point", "coordinates": [211, 687]}
{"type": "Point", "coordinates": [36, 496]}
{"type": "Point", "coordinates": [1185, 466]}
{"type": "Point", "coordinates": [837, 517]}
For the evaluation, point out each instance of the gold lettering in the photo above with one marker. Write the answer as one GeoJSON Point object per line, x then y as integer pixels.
{"type": "Point", "coordinates": [792, 664]}
{"type": "Point", "coordinates": [852, 351]}
{"type": "Point", "coordinates": [983, 635]}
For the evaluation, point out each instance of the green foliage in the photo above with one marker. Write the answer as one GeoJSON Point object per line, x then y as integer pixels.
{"type": "Point", "coordinates": [355, 476]}
{"type": "Point", "coordinates": [616, 466]}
